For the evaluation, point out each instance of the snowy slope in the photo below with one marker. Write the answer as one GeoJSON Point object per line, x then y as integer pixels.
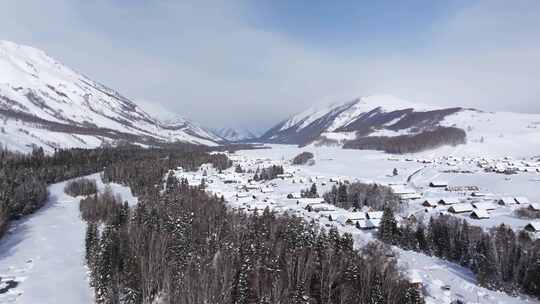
{"type": "Point", "coordinates": [364, 115]}
{"type": "Point", "coordinates": [495, 134]}
{"type": "Point", "coordinates": [43, 102]}
{"type": "Point", "coordinates": [388, 116]}
{"type": "Point", "coordinates": [44, 252]}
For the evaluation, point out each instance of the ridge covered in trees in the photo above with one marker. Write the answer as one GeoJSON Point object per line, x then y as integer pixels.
{"type": "Point", "coordinates": [24, 177]}
{"type": "Point", "coordinates": [402, 144]}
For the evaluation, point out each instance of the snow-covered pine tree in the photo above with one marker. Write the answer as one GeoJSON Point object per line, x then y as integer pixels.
{"type": "Point", "coordinates": [388, 227]}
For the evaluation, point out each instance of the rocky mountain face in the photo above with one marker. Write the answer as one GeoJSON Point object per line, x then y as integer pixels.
{"type": "Point", "coordinates": [45, 103]}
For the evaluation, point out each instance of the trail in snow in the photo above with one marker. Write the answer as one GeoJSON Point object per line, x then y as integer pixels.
{"type": "Point", "coordinates": [44, 252]}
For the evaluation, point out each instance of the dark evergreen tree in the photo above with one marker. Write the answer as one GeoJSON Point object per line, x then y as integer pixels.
{"type": "Point", "coordinates": [388, 228]}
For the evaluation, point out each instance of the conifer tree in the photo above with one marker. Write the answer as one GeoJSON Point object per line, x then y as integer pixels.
{"type": "Point", "coordinates": [388, 227]}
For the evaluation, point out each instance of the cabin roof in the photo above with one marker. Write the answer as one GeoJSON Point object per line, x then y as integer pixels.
{"type": "Point", "coordinates": [464, 207]}
{"type": "Point", "coordinates": [535, 225]}
{"type": "Point", "coordinates": [521, 200]}
{"type": "Point", "coordinates": [535, 206]}
{"type": "Point", "coordinates": [449, 200]}
{"type": "Point", "coordinates": [481, 213]}
{"type": "Point", "coordinates": [484, 205]}
{"type": "Point", "coordinates": [507, 200]}
{"type": "Point", "coordinates": [374, 215]}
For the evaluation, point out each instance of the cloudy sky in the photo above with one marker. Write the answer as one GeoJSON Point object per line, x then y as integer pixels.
{"type": "Point", "coordinates": [253, 63]}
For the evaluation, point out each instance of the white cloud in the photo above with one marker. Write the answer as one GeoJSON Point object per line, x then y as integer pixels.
{"type": "Point", "coordinates": [205, 61]}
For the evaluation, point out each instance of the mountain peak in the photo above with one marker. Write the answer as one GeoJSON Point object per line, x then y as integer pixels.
{"type": "Point", "coordinates": [232, 134]}
{"type": "Point", "coordinates": [45, 103]}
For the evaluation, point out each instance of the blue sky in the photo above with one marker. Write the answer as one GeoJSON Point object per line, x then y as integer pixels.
{"type": "Point", "coordinates": [354, 26]}
{"type": "Point", "coordinates": [250, 64]}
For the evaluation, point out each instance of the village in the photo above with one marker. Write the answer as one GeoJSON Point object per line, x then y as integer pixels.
{"type": "Point", "coordinates": [420, 195]}
{"type": "Point", "coordinates": [447, 185]}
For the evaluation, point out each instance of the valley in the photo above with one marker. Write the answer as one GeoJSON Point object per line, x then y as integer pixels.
{"type": "Point", "coordinates": [443, 281]}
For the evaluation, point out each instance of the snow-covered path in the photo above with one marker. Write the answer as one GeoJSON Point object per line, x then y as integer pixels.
{"type": "Point", "coordinates": [44, 252]}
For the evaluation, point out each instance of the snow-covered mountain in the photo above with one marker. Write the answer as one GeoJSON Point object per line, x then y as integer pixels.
{"type": "Point", "coordinates": [235, 135]}
{"type": "Point", "coordinates": [45, 103]}
{"type": "Point", "coordinates": [382, 116]}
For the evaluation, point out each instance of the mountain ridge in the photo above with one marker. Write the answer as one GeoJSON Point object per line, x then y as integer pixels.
{"type": "Point", "coordinates": [45, 103]}
{"type": "Point", "coordinates": [384, 119]}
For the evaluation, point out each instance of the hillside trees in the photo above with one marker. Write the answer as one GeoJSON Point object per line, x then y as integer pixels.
{"type": "Point", "coordinates": [182, 245]}
{"type": "Point", "coordinates": [500, 258]}
{"type": "Point", "coordinates": [81, 186]}
{"type": "Point", "coordinates": [24, 177]}
{"type": "Point", "coordinates": [402, 144]}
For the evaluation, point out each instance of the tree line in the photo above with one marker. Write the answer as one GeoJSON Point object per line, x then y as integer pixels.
{"type": "Point", "coordinates": [81, 186]}
{"type": "Point", "coordinates": [24, 177]}
{"type": "Point", "coordinates": [268, 173]}
{"type": "Point", "coordinates": [357, 195]}
{"type": "Point", "coordinates": [183, 246]}
{"type": "Point", "coordinates": [402, 144]}
{"type": "Point", "coordinates": [500, 258]}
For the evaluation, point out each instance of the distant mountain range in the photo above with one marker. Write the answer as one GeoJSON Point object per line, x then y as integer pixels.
{"type": "Point", "coordinates": [45, 103]}
{"type": "Point", "coordinates": [381, 121]}
{"type": "Point", "coordinates": [236, 135]}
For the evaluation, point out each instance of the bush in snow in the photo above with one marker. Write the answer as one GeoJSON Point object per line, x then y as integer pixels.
{"type": "Point", "coordinates": [81, 186]}
{"type": "Point", "coordinates": [303, 158]}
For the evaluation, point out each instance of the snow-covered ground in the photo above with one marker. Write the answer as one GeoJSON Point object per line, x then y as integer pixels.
{"type": "Point", "coordinates": [44, 252]}
{"type": "Point", "coordinates": [335, 163]}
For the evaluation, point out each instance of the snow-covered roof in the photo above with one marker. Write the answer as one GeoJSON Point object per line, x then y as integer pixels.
{"type": "Point", "coordinates": [484, 205]}
{"type": "Point", "coordinates": [437, 183]}
{"type": "Point", "coordinates": [304, 202]}
{"type": "Point", "coordinates": [534, 226]}
{"type": "Point", "coordinates": [351, 217]}
{"type": "Point", "coordinates": [431, 202]}
{"type": "Point", "coordinates": [373, 223]}
{"type": "Point", "coordinates": [480, 213]}
{"type": "Point", "coordinates": [535, 206]}
{"type": "Point", "coordinates": [294, 195]}
{"type": "Point", "coordinates": [399, 189]}
{"type": "Point", "coordinates": [458, 208]}
{"type": "Point", "coordinates": [507, 201]}
{"type": "Point", "coordinates": [449, 200]}
{"type": "Point", "coordinates": [521, 200]}
{"type": "Point", "coordinates": [374, 215]}
{"type": "Point", "coordinates": [410, 196]}
{"type": "Point", "coordinates": [323, 207]}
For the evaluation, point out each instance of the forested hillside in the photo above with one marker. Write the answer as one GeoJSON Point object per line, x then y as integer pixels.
{"type": "Point", "coordinates": [410, 143]}
{"type": "Point", "coordinates": [501, 258]}
{"type": "Point", "coordinates": [24, 177]}
{"type": "Point", "coordinates": [181, 245]}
